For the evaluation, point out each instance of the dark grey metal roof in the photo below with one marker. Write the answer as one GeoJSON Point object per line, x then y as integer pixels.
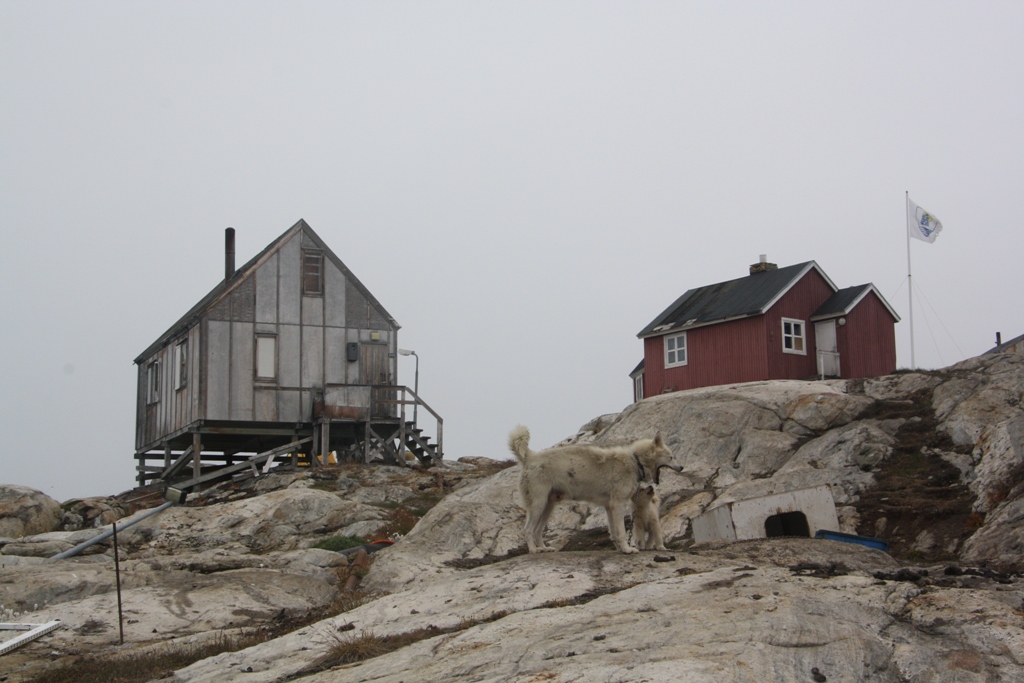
{"type": "Point", "coordinates": [638, 368]}
{"type": "Point", "coordinates": [844, 301]}
{"type": "Point", "coordinates": [225, 286]}
{"type": "Point", "coordinates": [840, 303]}
{"type": "Point", "coordinates": [745, 296]}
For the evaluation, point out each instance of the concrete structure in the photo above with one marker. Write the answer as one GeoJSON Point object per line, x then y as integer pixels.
{"type": "Point", "coordinates": [794, 513]}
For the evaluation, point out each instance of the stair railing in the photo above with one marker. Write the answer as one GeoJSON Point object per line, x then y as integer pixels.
{"type": "Point", "coordinates": [404, 396]}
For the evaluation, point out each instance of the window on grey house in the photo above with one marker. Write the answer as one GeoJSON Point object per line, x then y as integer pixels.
{"type": "Point", "coordinates": [153, 382]}
{"type": "Point", "coordinates": [181, 364]}
{"type": "Point", "coordinates": [312, 272]}
{"type": "Point", "coordinates": [266, 357]}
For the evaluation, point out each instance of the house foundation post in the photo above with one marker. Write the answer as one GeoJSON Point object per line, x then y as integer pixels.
{"type": "Point", "coordinates": [325, 440]}
{"type": "Point", "coordinates": [197, 450]}
{"type": "Point", "coordinates": [140, 466]}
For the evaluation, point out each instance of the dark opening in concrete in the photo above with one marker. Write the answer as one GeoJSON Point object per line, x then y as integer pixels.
{"type": "Point", "coordinates": [787, 524]}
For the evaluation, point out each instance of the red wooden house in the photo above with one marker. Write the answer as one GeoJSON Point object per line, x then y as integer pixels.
{"type": "Point", "coordinates": [776, 323]}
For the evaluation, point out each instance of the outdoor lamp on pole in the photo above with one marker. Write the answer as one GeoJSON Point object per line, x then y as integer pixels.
{"type": "Point", "coordinates": [416, 383]}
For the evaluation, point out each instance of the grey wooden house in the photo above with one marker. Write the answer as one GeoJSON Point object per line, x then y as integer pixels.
{"type": "Point", "coordinates": [290, 357]}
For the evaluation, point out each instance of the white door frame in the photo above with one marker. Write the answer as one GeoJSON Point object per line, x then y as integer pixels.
{"type": "Point", "coordinates": [828, 348]}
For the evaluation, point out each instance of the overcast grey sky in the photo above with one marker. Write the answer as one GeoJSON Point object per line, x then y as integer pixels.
{"type": "Point", "coordinates": [522, 185]}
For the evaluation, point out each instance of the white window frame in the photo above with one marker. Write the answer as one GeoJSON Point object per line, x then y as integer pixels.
{"type": "Point", "coordinates": [673, 353]}
{"type": "Point", "coordinates": [265, 339]}
{"type": "Point", "coordinates": [638, 387]}
{"type": "Point", "coordinates": [795, 339]}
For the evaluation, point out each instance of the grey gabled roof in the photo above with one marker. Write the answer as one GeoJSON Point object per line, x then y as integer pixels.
{"type": "Point", "coordinates": [844, 301]}
{"type": "Point", "coordinates": [224, 287]}
{"type": "Point", "coordinates": [745, 296]}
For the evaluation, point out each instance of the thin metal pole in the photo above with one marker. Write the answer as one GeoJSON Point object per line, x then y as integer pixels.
{"type": "Point", "coordinates": [117, 575]}
{"type": "Point", "coordinates": [416, 390]}
{"type": "Point", "coordinates": [910, 286]}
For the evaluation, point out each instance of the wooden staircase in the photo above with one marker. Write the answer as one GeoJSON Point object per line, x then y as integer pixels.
{"type": "Point", "coordinates": [425, 451]}
{"type": "Point", "coordinates": [389, 441]}
{"type": "Point", "coordinates": [390, 438]}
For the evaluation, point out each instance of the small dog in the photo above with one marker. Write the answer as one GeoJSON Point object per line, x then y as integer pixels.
{"type": "Point", "coordinates": [603, 476]}
{"type": "Point", "coordinates": [646, 522]}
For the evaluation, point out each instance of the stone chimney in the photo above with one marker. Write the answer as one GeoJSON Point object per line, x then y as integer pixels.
{"type": "Point", "coordinates": [763, 265]}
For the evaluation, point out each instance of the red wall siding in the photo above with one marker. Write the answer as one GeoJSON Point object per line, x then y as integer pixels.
{"type": "Point", "coordinates": [867, 342]}
{"type": "Point", "coordinates": [726, 353]}
{"type": "Point", "coordinates": [798, 303]}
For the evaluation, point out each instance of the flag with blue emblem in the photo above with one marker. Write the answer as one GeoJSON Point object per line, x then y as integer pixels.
{"type": "Point", "coordinates": [921, 224]}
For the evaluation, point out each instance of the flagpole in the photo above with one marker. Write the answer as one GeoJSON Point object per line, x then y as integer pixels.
{"type": "Point", "coordinates": [910, 285]}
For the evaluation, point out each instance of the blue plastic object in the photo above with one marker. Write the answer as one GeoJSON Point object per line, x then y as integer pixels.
{"type": "Point", "coordinates": [853, 538]}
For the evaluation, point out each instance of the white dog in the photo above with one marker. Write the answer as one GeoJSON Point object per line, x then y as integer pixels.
{"type": "Point", "coordinates": [646, 520]}
{"type": "Point", "coordinates": [603, 476]}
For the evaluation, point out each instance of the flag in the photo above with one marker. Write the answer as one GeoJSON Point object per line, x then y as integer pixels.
{"type": "Point", "coordinates": [921, 224]}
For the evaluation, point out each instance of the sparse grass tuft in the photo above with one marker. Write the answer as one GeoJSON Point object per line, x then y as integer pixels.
{"type": "Point", "coordinates": [346, 648]}
{"type": "Point", "coordinates": [400, 521]}
{"type": "Point", "coordinates": [163, 661]}
{"type": "Point", "coordinates": [349, 647]}
{"type": "Point", "coordinates": [137, 668]}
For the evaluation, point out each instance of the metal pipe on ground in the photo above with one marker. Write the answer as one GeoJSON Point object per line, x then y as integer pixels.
{"type": "Point", "coordinates": [110, 532]}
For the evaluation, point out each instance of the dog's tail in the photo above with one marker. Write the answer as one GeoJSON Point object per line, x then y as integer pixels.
{"type": "Point", "coordinates": [519, 443]}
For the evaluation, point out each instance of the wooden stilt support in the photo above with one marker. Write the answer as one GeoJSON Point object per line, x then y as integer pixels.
{"type": "Point", "coordinates": [325, 440]}
{"type": "Point", "coordinates": [316, 448]}
{"type": "Point", "coordinates": [197, 450]}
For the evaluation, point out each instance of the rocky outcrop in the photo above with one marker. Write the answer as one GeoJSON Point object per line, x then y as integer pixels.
{"type": "Point", "coordinates": [933, 461]}
{"type": "Point", "coordinates": [95, 512]}
{"type": "Point", "coordinates": [237, 559]}
{"type": "Point", "coordinates": [279, 520]}
{"type": "Point", "coordinates": [25, 511]}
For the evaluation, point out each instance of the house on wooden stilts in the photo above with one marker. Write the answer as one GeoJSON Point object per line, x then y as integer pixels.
{"type": "Point", "coordinates": [287, 360]}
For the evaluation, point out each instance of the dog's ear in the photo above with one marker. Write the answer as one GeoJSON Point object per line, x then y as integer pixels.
{"type": "Point", "coordinates": [658, 441]}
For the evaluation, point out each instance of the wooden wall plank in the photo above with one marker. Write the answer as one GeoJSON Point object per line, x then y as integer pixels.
{"type": "Point", "coordinates": [242, 371]}
{"type": "Point", "coordinates": [218, 369]}
{"type": "Point", "coordinates": [266, 291]}
{"type": "Point", "coordinates": [289, 405]}
{"type": "Point", "coordinates": [289, 283]}
{"type": "Point", "coordinates": [312, 356]}
{"type": "Point", "coordinates": [289, 347]}
{"type": "Point", "coordinates": [335, 286]}
{"type": "Point", "coordinates": [335, 358]}
{"type": "Point", "coordinates": [265, 405]}
{"type": "Point", "coordinates": [313, 310]}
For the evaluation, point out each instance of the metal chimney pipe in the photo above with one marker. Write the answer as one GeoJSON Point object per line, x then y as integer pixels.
{"type": "Point", "coordinates": [229, 253]}
{"type": "Point", "coordinates": [999, 339]}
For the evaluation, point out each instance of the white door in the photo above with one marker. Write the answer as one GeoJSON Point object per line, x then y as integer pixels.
{"type": "Point", "coordinates": [828, 350]}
